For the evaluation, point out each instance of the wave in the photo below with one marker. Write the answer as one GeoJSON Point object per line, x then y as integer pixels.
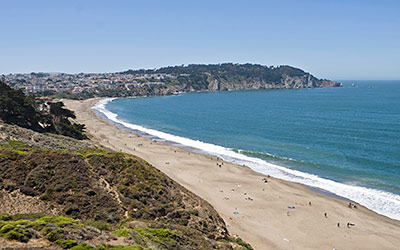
{"type": "Point", "coordinates": [382, 202]}
{"type": "Point", "coordinates": [264, 155]}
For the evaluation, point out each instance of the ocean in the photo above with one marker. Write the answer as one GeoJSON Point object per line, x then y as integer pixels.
{"type": "Point", "coordinates": [342, 140]}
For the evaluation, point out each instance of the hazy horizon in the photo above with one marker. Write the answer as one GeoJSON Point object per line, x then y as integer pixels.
{"type": "Point", "coordinates": [342, 40]}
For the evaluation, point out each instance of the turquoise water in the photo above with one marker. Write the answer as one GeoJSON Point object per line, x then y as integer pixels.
{"type": "Point", "coordinates": [345, 140]}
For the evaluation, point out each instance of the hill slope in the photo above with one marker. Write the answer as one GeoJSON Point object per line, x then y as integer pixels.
{"type": "Point", "coordinates": [105, 198]}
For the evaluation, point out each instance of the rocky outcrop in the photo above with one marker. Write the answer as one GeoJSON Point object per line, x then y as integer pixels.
{"type": "Point", "coordinates": [287, 82]}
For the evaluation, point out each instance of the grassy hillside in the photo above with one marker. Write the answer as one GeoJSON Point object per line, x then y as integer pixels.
{"type": "Point", "coordinates": [73, 196]}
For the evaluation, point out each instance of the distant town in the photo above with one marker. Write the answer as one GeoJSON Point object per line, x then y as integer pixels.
{"type": "Point", "coordinates": [38, 83]}
{"type": "Point", "coordinates": [163, 81]}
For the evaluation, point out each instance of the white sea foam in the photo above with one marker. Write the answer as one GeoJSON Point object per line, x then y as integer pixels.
{"type": "Point", "coordinates": [379, 201]}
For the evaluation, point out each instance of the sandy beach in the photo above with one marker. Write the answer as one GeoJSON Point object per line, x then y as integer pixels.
{"type": "Point", "coordinates": [255, 211]}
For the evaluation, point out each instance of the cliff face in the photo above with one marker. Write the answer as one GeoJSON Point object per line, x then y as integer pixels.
{"type": "Point", "coordinates": [287, 82]}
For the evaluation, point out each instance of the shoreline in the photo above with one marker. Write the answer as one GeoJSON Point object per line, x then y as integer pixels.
{"type": "Point", "coordinates": [379, 201]}
{"type": "Point", "coordinates": [199, 151]}
{"type": "Point", "coordinates": [263, 219]}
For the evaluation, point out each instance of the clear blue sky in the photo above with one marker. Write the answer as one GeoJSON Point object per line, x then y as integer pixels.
{"type": "Point", "coordinates": [349, 39]}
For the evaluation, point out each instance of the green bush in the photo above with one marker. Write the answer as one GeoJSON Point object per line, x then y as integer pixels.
{"type": "Point", "coordinates": [55, 234]}
{"type": "Point", "coordinates": [82, 246]}
{"type": "Point", "coordinates": [58, 220]}
{"type": "Point", "coordinates": [240, 242]}
{"type": "Point", "coordinates": [159, 235]}
{"type": "Point", "coordinates": [122, 232]}
{"type": "Point", "coordinates": [17, 234]}
{"type": "Point", "coordinates": [100, 224]}
{"type": "Point", "coordinates": [15, 230]}
{"type": "Point", "coordinates": [125, 248]}
{"type": "Point", "coordinates": [66, 244]}
{"type": "Point", "coordinates": [100, 247]}
{"type": "Point", "coordinates": [16, 144]}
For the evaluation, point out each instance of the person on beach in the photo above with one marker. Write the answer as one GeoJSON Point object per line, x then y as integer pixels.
{"type": "Point", "coordinates": [338, 224]}
{"type": "Point", "coordinates": [309, 203]}
{"type": "Point", "coordinates": [326, 215]}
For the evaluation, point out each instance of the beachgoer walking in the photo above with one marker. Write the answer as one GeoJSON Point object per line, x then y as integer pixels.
{"type": "Point", "coordinates": [326, 215]}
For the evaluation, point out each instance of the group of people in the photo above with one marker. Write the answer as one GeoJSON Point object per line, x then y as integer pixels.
{"type": "Point", "coordinates": [265, 180]}
{"type": "Point", "coordinates": [351, 205]}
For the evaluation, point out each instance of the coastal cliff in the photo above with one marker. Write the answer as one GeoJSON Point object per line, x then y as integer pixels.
{"type": "Point", "coordinates": [228, 77]}
{"type": "Point", "coordinates": [287, 82]}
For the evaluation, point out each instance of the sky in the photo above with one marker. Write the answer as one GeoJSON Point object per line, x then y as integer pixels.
{"type": "Point", "coordinates": [333, 39]}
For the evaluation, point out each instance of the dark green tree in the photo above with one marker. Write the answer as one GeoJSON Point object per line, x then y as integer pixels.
{"type": "Point", "coordinates": [18, 109]}
{"type": "Point", "coordinates": [21, 110]}
{"type": "Point", "coordinates": [62, 124]}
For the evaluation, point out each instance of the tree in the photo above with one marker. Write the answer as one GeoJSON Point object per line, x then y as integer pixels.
{"type": "Point", "coordinates": [18, 109]}
{"type": "Point", "coordinates": [62, 124]}
{"type": "Point", "coordinates": [21, 110]}
{"type": "Point", "coordinates": [59, 113]}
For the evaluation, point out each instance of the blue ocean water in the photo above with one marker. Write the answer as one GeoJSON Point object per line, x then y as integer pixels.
{"type": "Point", "coordinates": [345, 140]}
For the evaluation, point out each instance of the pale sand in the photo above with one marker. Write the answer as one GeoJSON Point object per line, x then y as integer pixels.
{"type": "Point", "coordinates": [263, 221]}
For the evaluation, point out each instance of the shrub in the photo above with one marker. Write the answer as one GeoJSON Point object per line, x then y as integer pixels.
{"type": "Point", "coordinates": [15, 230]}
{"type": "Point", "coordinates": [99, 224]}
{"type": "Point", "coordinates": [55, 234]}
{"type": "Point", "coordinates": [82, 246]}
{"type": "Point", "coordinates": [157, 234]}
{"type": "Point", "coordinates": [240, 242]}
{"type": "Point", "coordinates": [125, 248]}
{"type": "Point", "coordinates": [58, 220]}
{"type": "Point", "coordinates": [66, 244]}
{"type": "Point", "coordinates": [16, 234]}
{"type": "Point", "coordinates": [122, 232]}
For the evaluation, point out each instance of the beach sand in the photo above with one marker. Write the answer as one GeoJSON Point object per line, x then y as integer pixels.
{"type": "Point", "coordinates": [264, 220]}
